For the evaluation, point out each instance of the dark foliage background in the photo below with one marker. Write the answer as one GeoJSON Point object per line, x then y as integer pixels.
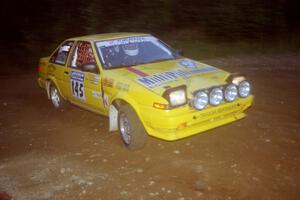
{"type": "Point", "coordinates": [31, 29]}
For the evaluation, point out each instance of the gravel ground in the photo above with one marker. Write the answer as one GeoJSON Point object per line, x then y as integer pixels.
{"type": "Point", "coordinates": [71, 155]}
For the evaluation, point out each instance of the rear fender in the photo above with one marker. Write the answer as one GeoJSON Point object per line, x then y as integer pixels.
{"type": "Point", "coordinates": [51, 81]}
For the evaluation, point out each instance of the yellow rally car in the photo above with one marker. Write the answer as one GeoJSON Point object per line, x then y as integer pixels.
{"type": "Point", "coordinates": [143, 86]}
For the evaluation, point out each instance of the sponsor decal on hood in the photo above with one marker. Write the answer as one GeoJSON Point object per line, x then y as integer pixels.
{"type": "Point", "coordinates": [169, 76]}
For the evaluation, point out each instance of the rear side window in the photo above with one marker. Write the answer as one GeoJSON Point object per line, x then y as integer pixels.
{"type": "Point", "coordinates": [60, 56]}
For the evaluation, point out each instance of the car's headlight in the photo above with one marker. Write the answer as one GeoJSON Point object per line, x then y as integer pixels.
{"type": "Point", "coordinates": [244, 89]}
{"type": "Point", "coordinates": [230, 92]}
{"type": "Point", "coordinates": [215, 96]}
{"type": "Point", "coordinates": [176, 96]}
{"type": "Point", "coordinates": [200, 100]}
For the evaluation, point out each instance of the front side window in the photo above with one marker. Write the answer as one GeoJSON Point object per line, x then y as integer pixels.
{"type": "Point", "coordinates": [60, 56]}
{"type": "Point", "coordinates": [130, 51]}
{"type": "Point", "coordinates": [83, 55]}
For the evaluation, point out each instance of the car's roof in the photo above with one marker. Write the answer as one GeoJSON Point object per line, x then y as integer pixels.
{"type": "Point", "coordinates": [106, 36]}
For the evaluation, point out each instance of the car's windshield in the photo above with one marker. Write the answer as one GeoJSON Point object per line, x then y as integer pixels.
{"type": "Point", "coordinates": [130, 51]}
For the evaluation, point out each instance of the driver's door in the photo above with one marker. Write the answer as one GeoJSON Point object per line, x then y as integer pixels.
{"type": "Point", "coordinates": [85, 79]}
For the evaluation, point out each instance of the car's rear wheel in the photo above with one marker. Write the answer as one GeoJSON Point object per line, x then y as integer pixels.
{"type": "Point", "coordinates": [57, 101]}
{"type": "Point", "coordinates": [131, 128]}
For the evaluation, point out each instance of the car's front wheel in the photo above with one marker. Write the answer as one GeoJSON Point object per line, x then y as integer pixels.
{"type": "Point", "coordinates": [56, 99]}
{"type": "Point", "coordinates": [131, 128]}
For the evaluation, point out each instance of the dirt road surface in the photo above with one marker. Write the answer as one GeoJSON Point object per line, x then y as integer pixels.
{"type": "Point", "coordinates": [71, 155]}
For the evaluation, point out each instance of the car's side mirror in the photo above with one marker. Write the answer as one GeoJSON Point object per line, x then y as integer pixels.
{"type": "Point", "coordinates": [179, 52]}
{"type": "Point", "coordinates": [90, 67]}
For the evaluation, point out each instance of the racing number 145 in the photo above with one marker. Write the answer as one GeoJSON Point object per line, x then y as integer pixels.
{"type": "Point", "coordinates": [77, 89]}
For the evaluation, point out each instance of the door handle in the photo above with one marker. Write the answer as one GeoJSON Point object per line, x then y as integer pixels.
{"type": "Point", "coordinates": [66, 72]}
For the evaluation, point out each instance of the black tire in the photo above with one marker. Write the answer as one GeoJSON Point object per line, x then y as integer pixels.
{"type": "Point", "coordinates": [56, 99]}
{"type": "Point", "coordinates": [136, 131]}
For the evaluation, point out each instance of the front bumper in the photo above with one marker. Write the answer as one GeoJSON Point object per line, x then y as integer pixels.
{"type": "Point", "coordinates": [183, 122]}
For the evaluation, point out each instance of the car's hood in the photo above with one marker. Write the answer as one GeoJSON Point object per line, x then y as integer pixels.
{"type": "Point", "coordinates": [168, 74]}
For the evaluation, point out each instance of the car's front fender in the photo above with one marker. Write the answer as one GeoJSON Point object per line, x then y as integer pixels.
{"type": "Point", "coordinates": [117, 101]}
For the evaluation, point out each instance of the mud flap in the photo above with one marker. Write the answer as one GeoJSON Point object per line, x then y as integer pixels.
{"type": "Point", "coordinates": [48, 83]}
{"type": "Point", "coordinates": [113, 118]}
